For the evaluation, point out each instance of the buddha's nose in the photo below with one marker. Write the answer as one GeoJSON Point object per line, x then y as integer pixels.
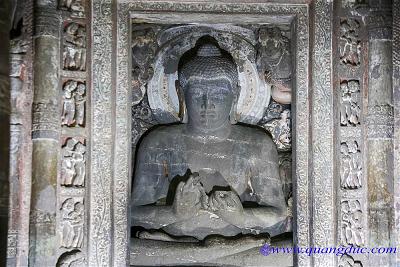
{"type": "Point", "coordinates": [207, 103]}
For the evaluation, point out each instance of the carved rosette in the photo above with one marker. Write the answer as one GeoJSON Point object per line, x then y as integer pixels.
{"type": "Point", "coordinates": [72, 183]}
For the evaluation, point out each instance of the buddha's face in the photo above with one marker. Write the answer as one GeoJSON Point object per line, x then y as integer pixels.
{"type": "Point", "coordinates": [208, 104]}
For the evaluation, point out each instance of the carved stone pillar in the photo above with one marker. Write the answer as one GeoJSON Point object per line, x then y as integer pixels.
{"type": "Point", "coordinates": [45, 134]}
{"type": "Point", "coordinates": [4, 121]}
{"type": "Point", "coordinates": [379, 126]}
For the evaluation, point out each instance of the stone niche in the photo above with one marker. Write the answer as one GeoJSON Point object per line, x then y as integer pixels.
{"type": "Point", "coordinates": [202, 193]}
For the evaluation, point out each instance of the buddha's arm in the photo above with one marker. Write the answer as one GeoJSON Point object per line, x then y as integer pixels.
{"type": "Point", "coordinates": [262, 217]}
{"type": "Point", "coordinates": [157, 217]}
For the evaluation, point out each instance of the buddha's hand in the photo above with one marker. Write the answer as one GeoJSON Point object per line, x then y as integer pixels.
{"type": "Point", "coordinates": [190, 197]}
{"type": "Point", "coordinates": [227, 205]}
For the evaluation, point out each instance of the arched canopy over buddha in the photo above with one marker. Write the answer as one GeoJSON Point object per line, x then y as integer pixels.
{"type": "Point", "coordinates": [209, 175]}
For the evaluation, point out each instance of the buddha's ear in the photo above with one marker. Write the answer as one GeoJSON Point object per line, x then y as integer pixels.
{"type": "Point", "coordinates": [181, 99]}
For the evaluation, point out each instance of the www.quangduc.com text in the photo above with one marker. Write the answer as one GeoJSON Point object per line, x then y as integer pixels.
{"type": "Point", "coordinates": [338, 251]}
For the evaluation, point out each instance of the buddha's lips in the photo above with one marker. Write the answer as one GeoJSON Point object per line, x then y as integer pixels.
{"type": "Point", "coordinates": [208, 114]}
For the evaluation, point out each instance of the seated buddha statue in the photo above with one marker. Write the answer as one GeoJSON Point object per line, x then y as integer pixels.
{"type": "Point", "coordinates": [208, 176]}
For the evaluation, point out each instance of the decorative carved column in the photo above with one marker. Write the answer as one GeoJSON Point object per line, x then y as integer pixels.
{"type": "Point", "coordinates": [45, 134]}
{"type": "Point", "coordinates": [379, 126]}
{"type": "Point", "coordinates": [5, 122]}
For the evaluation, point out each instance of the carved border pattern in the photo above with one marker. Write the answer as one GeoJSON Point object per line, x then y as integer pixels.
{"type": "Point", "coordinates": [322, 130]}
{"type": "Point", "coordinates": [101, 149]}
{"type": "Point", "coordinates": [112, 189]}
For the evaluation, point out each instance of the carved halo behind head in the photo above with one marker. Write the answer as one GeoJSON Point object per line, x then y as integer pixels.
{"type": "Point", "coordinates": [238, 42]}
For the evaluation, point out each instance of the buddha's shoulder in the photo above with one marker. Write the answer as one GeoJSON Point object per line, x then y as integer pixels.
{"type": "Point", "coordinates": [252, 134]}
{"type": "Point", "coordinates": [162, 135]}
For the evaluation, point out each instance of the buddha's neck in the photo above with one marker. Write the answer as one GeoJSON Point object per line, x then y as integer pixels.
{"type": "Point", "coordinates": [219, 133]}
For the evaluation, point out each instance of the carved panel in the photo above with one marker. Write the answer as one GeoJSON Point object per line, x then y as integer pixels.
{"type": "Point", "coordinates": [99, 251]}
{"type": "Point", "coordinates": [73, 163]}
{"type": "Point", "coordinates": [74, 52]}
{"type": "Point", "coordinates": [350, 42]}
{"type": "Point", "coordinates": [350, 165]}
{"type": "Point", "coordinates": [76, 7]}
{"type": "Point", "coordinates": [72, 220]}
{"type": "Point", "coordinates": [73, 103]}
{"type": "Point", "coordinates": [350, 103]}
{"type": "Point", "coordinates": [352, 223]}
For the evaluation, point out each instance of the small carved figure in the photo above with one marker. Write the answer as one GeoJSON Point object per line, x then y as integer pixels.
{"type": "Point", "coordinates": [273, 62]}
{"type": "Point", "coordinates": [350, 110]}
{"type": "Point", "coordinates": [144, 46]}
{"type": "Point", "coordinates": [73, 163]}
{"type": "Point", "coordinates": [73, 112]}
{"type": "Point", "coordinates": [76, 7]}
{"type": "Point", "coordinates": [350, 167]}
{"type": "Point", "coordinates": [80, 104]}
{"type": "Point", "coordinates": [350, 42]}
{"type": "Point", "coordinates": [74, 55]}
{"type": "Point", "coordinates": [68, 111]}
{"type": "Point", "coordinates": [72, 213]}
{"type": "Point", "coordinates": [352, 233]}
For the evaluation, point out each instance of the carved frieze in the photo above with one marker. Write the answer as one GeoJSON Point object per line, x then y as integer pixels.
{"type": "Point", "coordinates": [45, 120]}
{"type": "Point", "coordinates": [352, 223]}
{"type": "Point", "coordinates": [350, 42]}
{"type": "Point", "coordinates": [73, 107]}
{"type": "Point", "coordinates": [76, 7]}
{"type": "Point", "coordinates": [74, 53]}
{"type": "Point", "coordinates": [350, 165]}
{"type": "Point", "coordinates": [73, 165]}
{"type": "Point", "coordinates": [350, 103]}
{"type": "Point", "coordinates": [72, 221]}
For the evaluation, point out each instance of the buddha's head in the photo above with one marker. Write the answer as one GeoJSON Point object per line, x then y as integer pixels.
{"type": "Point", "coordinates": [209, 80]}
